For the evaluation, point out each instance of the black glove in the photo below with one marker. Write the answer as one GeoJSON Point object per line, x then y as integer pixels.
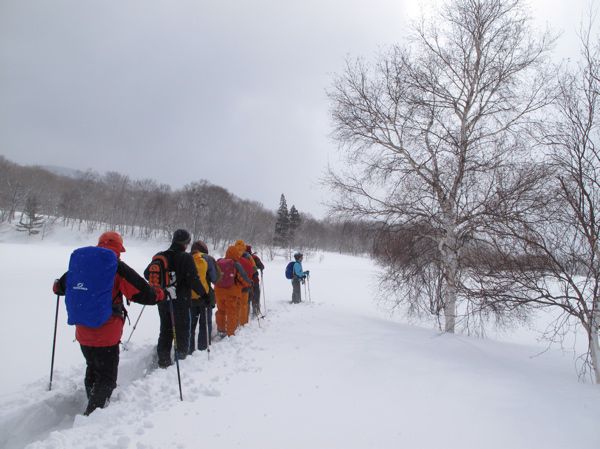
{"type": "Point", "coordinates": [57, 288]}
{"type": "Point", "coordinates": [307, 272]}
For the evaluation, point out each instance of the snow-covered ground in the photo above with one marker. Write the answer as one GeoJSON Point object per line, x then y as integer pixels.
{"type": "Point", "coordinates": [332, 373]}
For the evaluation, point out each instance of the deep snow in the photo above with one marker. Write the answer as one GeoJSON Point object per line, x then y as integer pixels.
{"type": "Point", "coordinates": [336, 372]}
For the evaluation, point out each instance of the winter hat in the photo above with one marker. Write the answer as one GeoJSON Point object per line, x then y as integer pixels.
{"type": "Point", "coordinates": [182, 237]}
{"type": "Point", "coordinates": [298, 255]}
{"type": "Point", "coordinates": [112, 240]}
{"type": "Point", "coordinates": [233, 252]}
{"type": "Point", "coordinates": [199, 246]}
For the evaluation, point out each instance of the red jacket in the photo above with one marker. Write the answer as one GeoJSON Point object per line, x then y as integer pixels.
{"type": "Point", "coordinates": [248, 267]}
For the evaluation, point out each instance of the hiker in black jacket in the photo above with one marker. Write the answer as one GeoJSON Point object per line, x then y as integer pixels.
{"type": "Point", "coordinates": [185, 276]}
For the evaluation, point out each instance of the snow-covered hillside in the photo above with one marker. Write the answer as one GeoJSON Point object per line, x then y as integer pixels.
{"type": "Point", "coordinates": [332, 373]}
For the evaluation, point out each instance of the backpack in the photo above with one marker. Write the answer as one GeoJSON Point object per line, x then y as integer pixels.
{"type": "Point", "coordinates": [159, 274]}
{"type": "Point", "coordinates": [228, 272]}
{"type": "Point", "coordinates": [289, 270]}
{"type": "Point", "coordinates": [219, 272]}
{"type": "Point", "coordinates": [90, 283]}
{"type": "Point", "coordinates": [201, 268]}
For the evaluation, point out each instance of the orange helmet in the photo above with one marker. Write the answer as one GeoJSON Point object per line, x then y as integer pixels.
{"type": "Point", "coordinates": [112, 240]}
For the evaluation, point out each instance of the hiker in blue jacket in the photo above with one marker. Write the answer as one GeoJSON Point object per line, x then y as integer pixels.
{"type": "Point", "coordinates": [299, 276]}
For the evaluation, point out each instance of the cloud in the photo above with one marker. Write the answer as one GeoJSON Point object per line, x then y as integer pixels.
{"type": "Point", "coordinates": [229, 91]}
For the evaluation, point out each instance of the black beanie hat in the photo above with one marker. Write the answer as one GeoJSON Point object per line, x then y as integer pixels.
{"type": "Point", "coordinates": [200, 246]}
{"type": "Point", "coordinates": [182, 237]}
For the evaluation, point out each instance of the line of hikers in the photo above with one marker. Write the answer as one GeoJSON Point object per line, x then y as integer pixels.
{"type": "Point", "coordinates": [185, 287]}
{"type": "Point", "coordinates": [196, 282]}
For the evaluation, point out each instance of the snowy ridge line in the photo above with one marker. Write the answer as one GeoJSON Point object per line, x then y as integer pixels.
{"type": "Point", "coordinates": [25, 420]}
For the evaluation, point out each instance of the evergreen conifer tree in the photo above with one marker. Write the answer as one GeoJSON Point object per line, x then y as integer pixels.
{"type": "Point", "coordinates": [295, 222]}
{"type": "Point", "coordinates": [30, 220]}
{"type": "Point", "coordinates": [282, 224]}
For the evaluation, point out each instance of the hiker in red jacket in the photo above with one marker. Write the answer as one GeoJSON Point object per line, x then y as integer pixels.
{"type": "Point", "coordinates": [100, 345]}
{"type": "Point", "coordinates": [255, 302]}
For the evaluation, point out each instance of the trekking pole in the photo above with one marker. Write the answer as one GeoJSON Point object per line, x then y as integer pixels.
{"type": "Point", "coordinates": [54, 343]}
{"type": "Point", "coordinates": [257, 315]}
{"type": "Point", "coordinates": [175, 343]}
{"type": "Point", "coordinates": [305, 294]}
{"type": "Point", "coordinates": [133, 330]}
{"type": "Point", "coordinates": [262, 281]}
{"type": "Point", "coordinates": [207, 331]}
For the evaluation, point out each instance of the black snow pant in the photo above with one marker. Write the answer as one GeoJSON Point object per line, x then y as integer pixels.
{"type": "Point", "coordinates": [100, 374]}
{"type": "Point", "coordinates": [296, 295]}
{"type": "Point", "coordinates": [201, 316]}
{"type": "Point", "coordinates": [181, 310]}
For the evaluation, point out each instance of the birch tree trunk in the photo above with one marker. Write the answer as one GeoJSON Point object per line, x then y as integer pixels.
{"type": "Point", "coordinates": [594, 344]}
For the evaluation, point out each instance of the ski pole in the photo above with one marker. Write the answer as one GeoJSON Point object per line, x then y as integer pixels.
{"type": "Point", "coordinates": [175, 343]}
{"type": "Point", "coordinates": [262, 281]}
{"type": "Point", "coordinates": [54, 343]}
{"type": "Point", "coordinates": [308, 282]}
{"type": "Point", "coordinates": [257, 315]}
{"type": "Point", "coordinates": [134, 326]}
{"type": "Point", "coordinates": [207, 331]}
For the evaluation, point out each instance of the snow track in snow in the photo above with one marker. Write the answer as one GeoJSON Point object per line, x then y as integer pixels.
{"type": "Point", "coordinates": [41, 419]}
{"type": "Point", "coordinates": [333, 373]}
{"type": "Point", "coordinates": [34, 413]}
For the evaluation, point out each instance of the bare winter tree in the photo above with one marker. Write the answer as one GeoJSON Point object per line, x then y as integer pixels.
{"type": "Point", "coordinates": [194, 204]}
{"type": "Point", "coordinates": [90, 201]}
{"type": "Point", "coordinates": [564, 228]}
{"type": "Point", "coordinates": [433, 134]}
{"type": "Point", "coordinates": [12, 190]}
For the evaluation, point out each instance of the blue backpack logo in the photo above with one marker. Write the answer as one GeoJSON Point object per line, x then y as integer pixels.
{"type": "Point", "coordinates": [90, 282]}
{"type": "Point", "coordinates": [289, 270]}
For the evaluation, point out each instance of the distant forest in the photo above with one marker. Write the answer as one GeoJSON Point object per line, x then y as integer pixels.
{"type": "Point", "coordinates": [32, 197]}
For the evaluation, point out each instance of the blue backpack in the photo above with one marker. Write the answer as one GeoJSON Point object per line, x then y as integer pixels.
{"type": "Point", "coordinates": [289, 270]}
{"type": "Point", "coordinates": [90, 282]}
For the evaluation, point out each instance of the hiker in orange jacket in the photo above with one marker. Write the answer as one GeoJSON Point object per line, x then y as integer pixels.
{"type": "Point", "coordinates": [249, 266]}
{"type": "Point", "coordinates": [228, 291]}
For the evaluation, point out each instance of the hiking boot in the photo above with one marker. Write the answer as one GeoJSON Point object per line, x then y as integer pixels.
{"type": "Point", "coordinates": [164, 363]}
{"type": "Point", "coordinates": [89, 409]}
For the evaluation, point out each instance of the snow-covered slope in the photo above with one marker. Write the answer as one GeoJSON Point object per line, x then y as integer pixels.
{"type": "Point", "coordinates": [332, 373]}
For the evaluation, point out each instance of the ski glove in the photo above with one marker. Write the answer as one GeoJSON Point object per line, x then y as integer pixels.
{"type": "Point", "coordinates": [307, 272]}
{"type": "Point", "coordinates": [170, 292]}
{"type": "Point", "coordinates": [159, 293]}
{"type": "Point", "coordinates": [57, 289]}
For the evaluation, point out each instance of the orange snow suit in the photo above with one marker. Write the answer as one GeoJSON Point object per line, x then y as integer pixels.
{"type": "Point", "coordinates": [229, 299]}
{"type": "Point", "coordinates": [249, 267]}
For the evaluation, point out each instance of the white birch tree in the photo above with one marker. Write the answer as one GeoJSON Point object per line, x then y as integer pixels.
{"type": "Point", "coordinates": [434, 131]}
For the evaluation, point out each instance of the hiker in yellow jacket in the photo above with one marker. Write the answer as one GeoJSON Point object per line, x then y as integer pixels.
{"type": "Point", "coordinates": [201, 307]}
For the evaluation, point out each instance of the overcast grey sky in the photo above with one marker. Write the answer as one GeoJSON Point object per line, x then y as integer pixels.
{"type": "Point", "coordinates": [182, 90]}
